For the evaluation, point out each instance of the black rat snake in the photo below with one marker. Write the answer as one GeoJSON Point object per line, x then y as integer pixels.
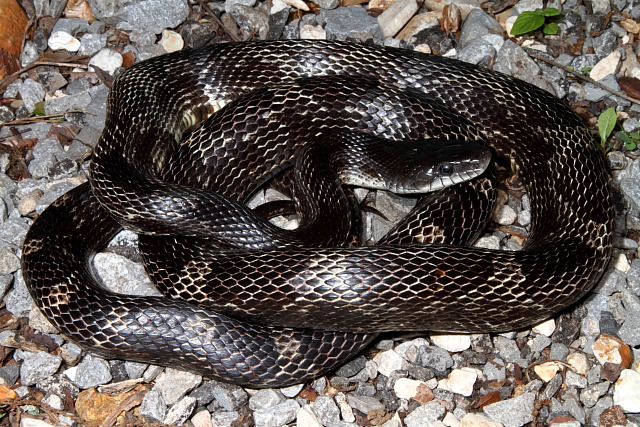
{"type": "Point", "coordinates": [146, 178]}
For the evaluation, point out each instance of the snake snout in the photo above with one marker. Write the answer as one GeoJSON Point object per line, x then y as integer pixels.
{"type": "Point", "coordinates": [437, 164]}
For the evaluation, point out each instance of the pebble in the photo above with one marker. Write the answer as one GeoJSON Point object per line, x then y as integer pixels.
{"type": "Point", "coordinates": [107, 60]}
{"type": "Point", "coordinates": [266, 398]}
{"type": "Point", "coordinates": [396, 16]}
{"type": "Point", "coordinates": [37, 366]}
{"type": "Point", "coordinates": [174, 384]}
{"type": "Point", "coordinates": [627, 391]}
{"type": "Point", "coordinates": [153, 406]}
{"type": "Point", "coordinates": [583, 390]}
{"type": "Point", "coordinates": [406, 388]}
{"type": "Point", "coordinates": [452, 343]}
{"type": "Point", "coordinates": [202, 419]}
{"type": "Point", "coordinates": [389, 361]}
{"type": "Point", "coordinates": [61, 40]}
{"type": "Point", "coordinates": [460, 381]}
{"type": "Point", "coordinates": [180, 411]}
{"type": "Point", "coordinates": [476, 420]}
{"type": "Point", "coordinates": [424, 414]}
{"type": "Point", "coordinates": [606, 66]}
{"type": "Point", "coordinates": [307, 418]}
{"type": "Point", "coordinates": [611, 349]}
{"type": "Point", "coordinates": [546, 371]}
{"type": "Point", "coordinates": [579, 362]}
{"type": "Point", "coordinates": [277, 415]}
{"type": "Point", "coordinates": [92, 371]}
{"type": "Point", "coordinates": [514, 412]}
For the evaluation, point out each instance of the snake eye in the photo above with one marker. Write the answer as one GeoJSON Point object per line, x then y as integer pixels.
{"type": "Point", "coordinates": [446, 169]}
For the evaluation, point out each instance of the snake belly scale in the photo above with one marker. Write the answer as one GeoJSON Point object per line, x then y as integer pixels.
{"type": "Point", "coordinates": [428, 287]}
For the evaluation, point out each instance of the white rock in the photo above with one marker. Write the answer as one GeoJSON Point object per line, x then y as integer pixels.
{"type": "Point", "coordinates": [477, 420]}
{"type": "Point", "coordinates": [454, 342]}
{"type": "Point", "coordinates": [505, 215]}
{"type": "Point", "coordinates": [489, 242]}
{"type": "Point", "coordinates": [622, 263]}
{"type": "Point", "coordinates": [307, 418]}
{"type": "Point", "coordinates": [298, 4]}
{"type": "Point", "coordinates": [627, 391]}
{"type": "Point", "coordinates": [578, 362]}
{"type": "Point", "coordinates": [107, 60]}
{"type": "Point", "coordinates": [277, 6]}
{"type": "Point", "coordinates": [606, 66]}
{"type": "Point", "coordinates": [61, 40]}
{"type": "Point", "coordinates": [313, 32]}
{"type": "Point", "coordinates": [396, 16]}
{"type": "Point", "coordinates": [460, 381]}
{"type": "Point", "coordinates": [406, 388]}
{"type": "Point", "coordinates": [202, 419]}
{"type": "Point", "coordinates": [450, 420]}
{"type": "Point", "coordinates": [545, 328]}
{"type": "Point", "coordinates": [32, 422]}
{"type": "Point", "coordinates": [546, 371]}
{"type": "Point", "coordinates": [171, 41]}
{"type": "Point", "coordinates": [345, 410]}
{"type": "Point", "coordinates": [389, 361]}
{"type": "Point", "coordinates": [395, 421]}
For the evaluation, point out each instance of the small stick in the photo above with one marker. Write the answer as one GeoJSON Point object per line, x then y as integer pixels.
{"type": "Point", "coordinates": [583, 77]}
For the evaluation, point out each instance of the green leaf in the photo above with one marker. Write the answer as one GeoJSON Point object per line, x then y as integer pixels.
{"type": "Point", "coordinates": [38, 109]}
{"type": "Point", "coordinates": [631, 146]}
{"type": "Point", "coordinates": [635, 135]}
{"type": "Point", "coordinates": [550, 28]}
{"type": "Point", "coordinates": [550, 11]}
{"type": "Point", "coordinates": [606, 122]}
{"type": "Point", "coordinates": [625, 138]}
{"type": "Point", "coordinates": [527, 22]}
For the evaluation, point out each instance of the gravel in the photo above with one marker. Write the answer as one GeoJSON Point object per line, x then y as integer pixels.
{"type": "Point", "coordinates": [403, 379]}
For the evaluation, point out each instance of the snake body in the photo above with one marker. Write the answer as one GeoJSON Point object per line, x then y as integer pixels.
{"type": "Point", "coordinates": [143, 177]}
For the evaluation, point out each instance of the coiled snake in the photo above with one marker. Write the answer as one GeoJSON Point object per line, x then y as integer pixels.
{"type": "Point", "coordinates": [360, 290]}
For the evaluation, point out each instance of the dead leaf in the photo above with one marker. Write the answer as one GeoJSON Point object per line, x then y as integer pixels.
{"type": "Point", "coordinates": [630, 25]}
{"type": "Point", "coordinates": [128, 59]}
{"type": "Point", "coordinates": [487, 399]}
{"type": "Point", "coordinates": [451, 18]}
{"type": "Point", "coordinates": [13, 23]}
{"type": "Point", "coordinates": [630, 86]}
{"type": "Point", "coordinates": [79, 9]}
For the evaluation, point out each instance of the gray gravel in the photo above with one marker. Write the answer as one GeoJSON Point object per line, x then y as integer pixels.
{"type": "Point", "coordinates": [366, 390]}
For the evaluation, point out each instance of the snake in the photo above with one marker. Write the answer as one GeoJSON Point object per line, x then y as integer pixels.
{"type": "Point", "coordinates": [152, 172]}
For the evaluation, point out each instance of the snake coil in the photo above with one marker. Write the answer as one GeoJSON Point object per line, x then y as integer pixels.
{"type": "Point", "coordinates": [386, 92]}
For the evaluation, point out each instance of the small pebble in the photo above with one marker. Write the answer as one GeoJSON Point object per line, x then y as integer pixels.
{"type": "Point", "coordinates": [452, 343]}
{"type": "Point", "coordinates": [460, 381]}
{"type": "Point", "coordinates": [627, 391]}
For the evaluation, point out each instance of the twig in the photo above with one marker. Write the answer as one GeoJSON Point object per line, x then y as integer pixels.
{"type": "Point", "coordinates": [11, 77]}
{"type": "Point", "coordinates": [583, 77]}
{"type": "Point", "coordinates": [38, 119]}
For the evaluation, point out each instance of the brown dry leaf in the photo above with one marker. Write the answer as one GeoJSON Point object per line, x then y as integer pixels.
{"type": "Point", "coordinates": [630, 25]}
{"type": "Point", "coordinates": [562, 419]}
{"type": "Point", "coordinates": [487, 399]}
{"type": "Point", "coordinates": [79, 9]}
{"type": "Point", "coordinates": [630, 86]}
{"type": "Point", "coordinates": [613, 416]}
{"type": "Point", "coordinates": [13, 23]}
{"type": "Point", "coordinates": [64, 134]}
{"type": "Point", "coordinates": [424, 394]}
{"type": "Point", "coordinates": [7, 394]}
{"type": "Point", "coordinates": [451, 18]}
{"type": "Point", "coordinates": [128, 59]}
